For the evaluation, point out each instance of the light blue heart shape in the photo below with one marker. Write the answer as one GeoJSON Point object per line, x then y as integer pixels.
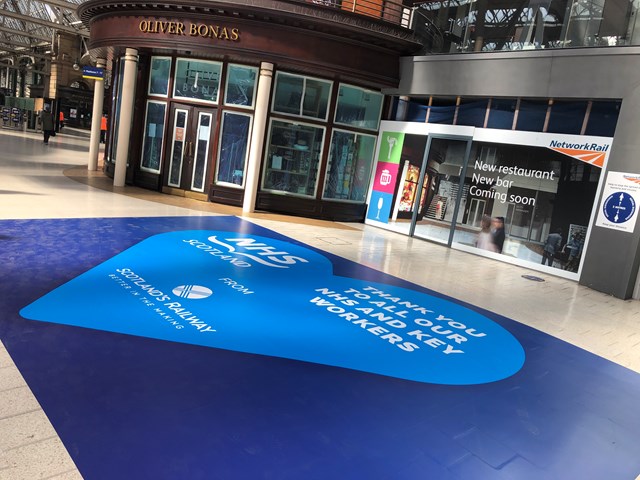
{"type": "Point", "coordinates": [260, 295]}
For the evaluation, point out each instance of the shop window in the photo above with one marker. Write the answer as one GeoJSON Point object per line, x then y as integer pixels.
{"type": "Point", "coordinates": [292, 158]}
{"type": "Point", "coordinates": [529, 192]}
{"type": "Point", "coordinates": [241, 86]}
{"type": "Point", "coordinates": [416, 112]}
{"type": "Point", "coordinates": [472, 113]}
{"type": "Point", "coordinates": [531, 115]}
{"type": "Point", "coordinates": [232, 156]}
{"type": "Point", "coordinates": [443, 115]}
{"type": "Point", "coordinates": [153, 132]}
{"type": "Point", "coordinates": [567, 117]}
{"type": "Point", "coordinates": [501, 113]}
{"type": "Point", "coordinates": [350, 163]}
{"type": "Point", "coordinates": [159, 75]}
{"type": "Point", "coordinates": [603, 118]}
{"type": "Point", "coordinates": [301, 96]}
{"type": "Point", "coordinates": [197, 80]}
{"type": "Point", "coordinates": [358, 107]}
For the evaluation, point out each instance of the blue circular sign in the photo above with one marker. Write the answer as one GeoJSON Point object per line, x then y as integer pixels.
{"type": "Point", "coordinates": [619, 207]}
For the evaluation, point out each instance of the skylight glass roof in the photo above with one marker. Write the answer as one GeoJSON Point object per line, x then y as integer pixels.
{"type": "Point", "coordinates": [28, 25]}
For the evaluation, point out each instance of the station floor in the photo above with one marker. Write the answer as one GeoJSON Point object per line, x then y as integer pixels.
{"type": "Point", "coordinates": [79, 400]}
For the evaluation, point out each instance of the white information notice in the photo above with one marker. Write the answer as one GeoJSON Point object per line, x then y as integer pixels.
{"type": "Point", "coordinates": [619, 207]}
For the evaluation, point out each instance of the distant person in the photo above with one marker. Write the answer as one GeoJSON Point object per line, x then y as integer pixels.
{"type": "Point", "coordinates": [551, 246]}
{"type": "Point", "coordinates": [103, 129]}
{"type": "Point", "coordinates": [46, 120]}
{"type": "Point", "coordinates": [484, 240]}
{"type": "Point", "coordinates": [497, 233]}
{"type": "Point", "coordinates": [574, 247]}
{"type": "Point", "coordinates": [61, 119]}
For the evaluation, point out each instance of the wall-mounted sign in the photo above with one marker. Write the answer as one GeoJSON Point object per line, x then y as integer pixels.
{"type": "Point", "coordinates": [619, 207]}
{"type": "Point", "coordinates": [385, 176]}
{"type": "Point", "coordinates": [189, 29]}
{"type": "Point", "coordinates": [93, 73]}
{"type": "Point", "coordinates": [592, 152]}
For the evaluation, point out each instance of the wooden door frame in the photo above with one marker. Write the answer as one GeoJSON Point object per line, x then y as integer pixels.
{"type": "Point", "coordinates": [191, 127]}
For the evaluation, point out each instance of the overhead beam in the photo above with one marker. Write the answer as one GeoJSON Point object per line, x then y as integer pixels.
{"type": "Point", "coordinates": [16, 8]}
{"type": "Point", "coordinates": [40, 43]}
{"type": "Point", "coordinates": [61, 4]}
{"type": "Point", "coordinates": [26, 53]}
{"type": "Point", "coordinates": [22, 33]}
{"type": "Point", "coordinates": [46, 23]}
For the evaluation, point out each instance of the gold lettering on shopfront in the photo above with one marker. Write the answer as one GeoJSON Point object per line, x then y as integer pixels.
{"type": "Point", "coordinates": [193, 30]}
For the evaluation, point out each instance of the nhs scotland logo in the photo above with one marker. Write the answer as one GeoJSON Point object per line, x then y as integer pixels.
{"type": "Point", "coordinates": [241, 251]}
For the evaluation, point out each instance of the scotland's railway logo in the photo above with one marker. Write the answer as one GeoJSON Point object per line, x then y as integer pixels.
{"type": "Point", "coordinates": [193, 292]}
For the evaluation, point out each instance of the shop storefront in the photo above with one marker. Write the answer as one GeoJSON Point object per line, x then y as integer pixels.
{"type": "Point", "coordinates": [197, 102]}
{"type": "Point", "coordinates": [522, 197]}
{"type": "Point", "coordinates": [198, 116]}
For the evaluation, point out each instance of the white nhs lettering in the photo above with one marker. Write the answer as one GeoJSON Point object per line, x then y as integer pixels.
{"type": "Point", "coordinates": [250, 249]}
{"type": "Point", "coordinates": [265, 250]}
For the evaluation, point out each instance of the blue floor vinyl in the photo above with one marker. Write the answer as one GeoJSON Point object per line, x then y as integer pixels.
{"type": "Point", "coordinates": [131, 401]}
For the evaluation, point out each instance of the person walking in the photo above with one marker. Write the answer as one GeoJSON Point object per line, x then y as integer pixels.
{"type": "Point", "coordinates": [103, 129]}
{"type": "Point", "coordinates": [46, 120]}
{"type": "Point", "coordinates": [574, 246]}
{"type": "Point", "coordinates": [497, 233]}
{"type": "Point", "coordinates": [551, 246]}
{"type": "Point", "coordinates": [484, 239]}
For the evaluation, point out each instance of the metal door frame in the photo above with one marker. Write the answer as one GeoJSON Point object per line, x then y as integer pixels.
{"type": "Point", "coordinates": [423, 170]}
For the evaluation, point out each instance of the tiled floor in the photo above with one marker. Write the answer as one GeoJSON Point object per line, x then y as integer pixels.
{"type": "Point", "coordinates": [38, 181]}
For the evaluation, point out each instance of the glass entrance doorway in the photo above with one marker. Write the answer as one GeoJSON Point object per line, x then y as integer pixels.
{"type": "Point", "coordinates": [187, 159]}
{"type": "Point", "coordinates": [439, 188]}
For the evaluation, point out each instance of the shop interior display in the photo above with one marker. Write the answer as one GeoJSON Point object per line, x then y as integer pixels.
{"type": "Point", "coordinates": [293, 155]}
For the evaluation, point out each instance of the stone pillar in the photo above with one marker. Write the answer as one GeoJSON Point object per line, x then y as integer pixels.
{"type": "Point", "coordinates": [257, 137]}
{"type": "Point", "coordinates": [52, 91]}
{"type": "Point", "coordinates": [96, 117]}
{"type": "Point", "coordinates": [126, 115]}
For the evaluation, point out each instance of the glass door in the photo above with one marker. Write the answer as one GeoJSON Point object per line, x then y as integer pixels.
{"type": "Point", "coordinates": [188, 156]}
{"type": "Point", "coordinates": [476, 212]}
{"type": "Point", "coordinates": [202, 143]}
{"type": "Point", "coordinates": [437, 201]}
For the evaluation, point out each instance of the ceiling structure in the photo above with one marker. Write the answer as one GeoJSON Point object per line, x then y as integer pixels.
{"type": "Point", "coordinates": [28, 28]}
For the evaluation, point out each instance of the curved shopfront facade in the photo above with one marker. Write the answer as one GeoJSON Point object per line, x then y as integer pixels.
{"type": "Point", "coordinates": [201, 109]}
